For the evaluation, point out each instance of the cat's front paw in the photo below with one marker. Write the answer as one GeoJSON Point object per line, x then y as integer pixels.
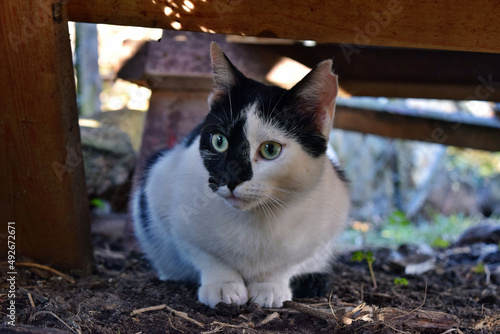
{"type": "Point", "coordinates": [232, 292]}
{"type": "Point", "coordinates": [269, 294]}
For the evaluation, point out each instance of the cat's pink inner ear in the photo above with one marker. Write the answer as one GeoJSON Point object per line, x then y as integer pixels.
{"type": "Point", "coordinates": [318, 91]}
{"type": "Point", "coordinates": [223, 73]}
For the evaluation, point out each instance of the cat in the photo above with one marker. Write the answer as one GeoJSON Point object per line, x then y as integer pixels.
{"type": "Point", "coordinates": [252, 197]}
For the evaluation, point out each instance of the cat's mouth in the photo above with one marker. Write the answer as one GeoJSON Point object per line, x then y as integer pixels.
{"type": "Point", "coordinates": [237, 201]}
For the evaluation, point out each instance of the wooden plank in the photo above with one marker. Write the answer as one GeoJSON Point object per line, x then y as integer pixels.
{"type": "Point", "coordinates": [399, 72]}
{"type": "Point", "coordinates": [461, 25]}
{"type": "Point", "coordinates": [440, 128]}
{"type": "Point", "coordinates": [422, 90]}
{"type": "Point", "coordinates": [41, 173]}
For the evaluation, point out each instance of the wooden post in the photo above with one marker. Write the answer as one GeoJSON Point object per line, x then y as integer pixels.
{"type": "Point", "coordinates": [41, 170]}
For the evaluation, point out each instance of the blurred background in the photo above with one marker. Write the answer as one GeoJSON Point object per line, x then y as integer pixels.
{"type": "Point", "coordinates": [402, 191]}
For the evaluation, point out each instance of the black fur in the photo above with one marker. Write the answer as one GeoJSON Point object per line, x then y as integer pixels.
{"type": "Point", "coordinates": [310, 285]}
{"type": "Point", "coordinates": [233, 166]}
{"type": "Point", "coordinates": [150, 162]}
{"type": "Point", "coordinates": [143, 201]}
{"type": "Point", "coordinates": [144, 209]}
{"type": "Point", "coordinates": [340, 173]}
{"type": "Point", "coordinates": [191, 137]}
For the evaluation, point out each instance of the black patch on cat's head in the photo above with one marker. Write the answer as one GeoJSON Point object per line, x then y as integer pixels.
{"type": "Point", "coordinates": [285, 115]}
{"type": "Point", "coordinates": [233, 166]}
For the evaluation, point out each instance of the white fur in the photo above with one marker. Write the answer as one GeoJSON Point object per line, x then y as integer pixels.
{"type": "Point", "coordinates": [248, 247]}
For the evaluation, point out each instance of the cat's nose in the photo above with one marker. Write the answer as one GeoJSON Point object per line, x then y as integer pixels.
{"type": "Point", "coordinates": [233, 184]}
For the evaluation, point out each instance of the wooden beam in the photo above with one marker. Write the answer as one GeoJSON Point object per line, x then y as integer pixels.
{"type": "Point", "coordinates": [401, 72]}
{"type": "Point", "coordinates": [422, 90]}
{"type": "Point", "coordinates": [461, 25]}
{"type": "Point", "coordinates": [440, 128]}
{"type": "Point", "coordinates": [41, 173]}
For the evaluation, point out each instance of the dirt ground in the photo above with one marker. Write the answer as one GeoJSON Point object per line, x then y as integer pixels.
{"type": "Point", "coordinates": [454, 297]}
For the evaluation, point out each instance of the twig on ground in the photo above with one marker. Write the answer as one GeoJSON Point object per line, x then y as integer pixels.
{"type": "Point", "coordinates": [55, 316]}
{"type": "Point", "coordinates": [47, 268]}
{"type": "Point", "coordinates": [330, 303]}
{"type": "Point", "coordinates": [425, 298]}
{"type": "Point", "coordinates": [311, 311]}
{"type": "Point", "coordinates": [185, 317]}
{"type": "Point", "coordinates": [268, 319]}
{"type": "Point", "coordinates": [488, 274]}
{"type": "Point", "coordinates": [451, 330]}
{"type": "Point", "coordinates": [148, 309]}
{"type": "Point", "coordinates": [173, 311]}
{"type": "Point", "coordinates": [221, 325]}
{"type": "Point", "coordinates": [32, 303]}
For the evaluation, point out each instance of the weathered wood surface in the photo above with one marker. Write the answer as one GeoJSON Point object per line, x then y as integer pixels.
{"type": "Point", "coordinates": [41, 170]}
{"type": "Point", "coordinates": [447, 129]}
{"type": "Point", "coordinates": [460, 25]}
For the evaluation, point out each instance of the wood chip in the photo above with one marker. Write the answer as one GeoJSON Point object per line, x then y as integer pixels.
{"type": "Point", "coordinates": [417, 319]}
{"type": "Point", "coordinates": [268, 319]}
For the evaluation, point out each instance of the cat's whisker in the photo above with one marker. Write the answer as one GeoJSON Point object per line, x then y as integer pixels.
{"type": "Point", "coordinates": [267, 213]}
{"type": "Point", "coordinates": [229, 96]}
{"type": "Point", "coordinates": [276, 104]}
{"type": "Point", "coordinates": [276, 202]}
{"type": "Point", "coordinates": [279, 203]}
{"type": "Point", "coordinates": [296, 193]}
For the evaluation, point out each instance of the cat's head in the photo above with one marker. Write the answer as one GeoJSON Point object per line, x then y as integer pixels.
{"type": "Point", "coordinates": [263, 144]}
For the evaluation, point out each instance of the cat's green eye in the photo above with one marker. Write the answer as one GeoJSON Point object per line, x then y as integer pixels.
{"type": "Point", "coordinates": [270, 150]}
{"type": "Point", "coordinates": [219, 142]}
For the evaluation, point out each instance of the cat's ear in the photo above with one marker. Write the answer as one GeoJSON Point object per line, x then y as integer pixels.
{"type": "Point", "coordinates": [225, 73]}
{"type": "Point", "coordinates": [315, 95]}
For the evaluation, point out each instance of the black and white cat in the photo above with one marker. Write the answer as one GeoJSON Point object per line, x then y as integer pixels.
{"type": "Point", "coordinates": [251, 197]}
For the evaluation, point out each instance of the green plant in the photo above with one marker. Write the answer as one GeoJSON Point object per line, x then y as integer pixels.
{"type": "Point", "coordinates": [401, 281]}
{"type": "Point", "coordinates": [479, 268]}
{"type": "Point", "coordinates": [398, 218]}
{"type": "Point", "coordinates": [440, 243]}
{"type": "Point", "coordinates": [98, 203]}
{"type": "Point", "coordinates": [439, 231]}
{"type": "Point", "coordinates": [359, 256]}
